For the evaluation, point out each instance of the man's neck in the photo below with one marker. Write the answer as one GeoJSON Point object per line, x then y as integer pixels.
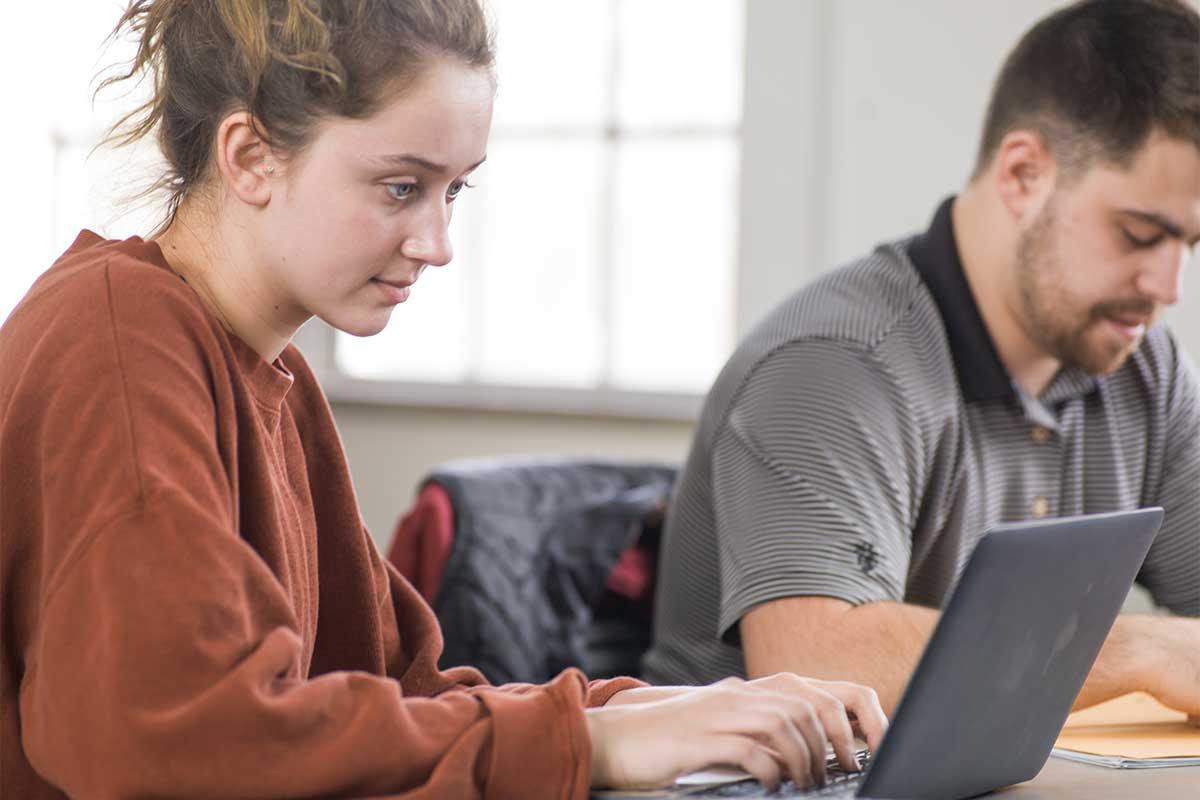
{"type": "Point", "coordinates": [217, 264]}
{"type": "Point", "coordinates": [987, 245]}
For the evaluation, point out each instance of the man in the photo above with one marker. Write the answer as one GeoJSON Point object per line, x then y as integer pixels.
{"type": "Point", "coordinates": [1004, 365]}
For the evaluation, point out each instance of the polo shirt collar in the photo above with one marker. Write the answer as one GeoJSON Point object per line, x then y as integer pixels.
{"type": "Point", "coordinates": [981, 375]}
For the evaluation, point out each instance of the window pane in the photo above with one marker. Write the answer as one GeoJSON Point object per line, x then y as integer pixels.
{"type": "Point", "coordinates": [104, 191]}
{"type": "Point", "coordinates": [536, 296]}
{"type": "Point", "coordinates": [553, 60]}
{"type": "Point", "coordinates": [81, 54]}
{"type": "Point", "coordinates": [28, 243]}
{"type": "Point", "coordinates": [518, 304]}
{"type": "Point", "coordinates": [680, 63]}
{"type": "Point", "coordinates": [673, 262]}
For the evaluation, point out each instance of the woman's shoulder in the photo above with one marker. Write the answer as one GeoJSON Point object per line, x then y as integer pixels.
{"type": "Point", "coordinates": [104, 275]}
{"type": "Point", "coordinates": [118, 291]}
{"type": "Point", "coordinates": [106, 327]}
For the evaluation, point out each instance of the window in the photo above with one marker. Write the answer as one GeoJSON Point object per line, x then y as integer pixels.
{"type": "Point", "coordinates": [595, 257]}
{"type": "Point", "coordinates": [56, 185]}
{"type": "Point", "coordinates": [594, 262]}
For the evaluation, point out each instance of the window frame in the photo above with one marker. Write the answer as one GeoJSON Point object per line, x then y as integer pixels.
{"type": "Point", "coordinates": [317, 341]}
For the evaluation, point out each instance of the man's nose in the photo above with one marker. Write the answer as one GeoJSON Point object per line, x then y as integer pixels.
{"type": "Point", "coordinates": [1161, 276]}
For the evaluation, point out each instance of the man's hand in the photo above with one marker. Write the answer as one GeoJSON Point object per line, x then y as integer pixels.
{"type": "Point", "coordinates": [1158, 655]}
{"type": "Point", "coordinates": [773, 727]}
{"type": "Point", "coordinates": [1173, 663]}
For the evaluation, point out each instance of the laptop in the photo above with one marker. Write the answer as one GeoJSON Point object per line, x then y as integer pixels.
{"type": "Point", "coordinates": [1015, 642]}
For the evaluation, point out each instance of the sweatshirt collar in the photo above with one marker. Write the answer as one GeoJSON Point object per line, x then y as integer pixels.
{"type": "Point", "coordinates": [268, 381]}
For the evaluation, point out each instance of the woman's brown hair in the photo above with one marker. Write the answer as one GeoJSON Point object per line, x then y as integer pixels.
{"type": "Point", "coordinates": [286, 62]}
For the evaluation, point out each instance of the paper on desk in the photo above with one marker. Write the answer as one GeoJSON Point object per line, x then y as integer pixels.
{"type": "Point", "coordinates": [1131, 731]}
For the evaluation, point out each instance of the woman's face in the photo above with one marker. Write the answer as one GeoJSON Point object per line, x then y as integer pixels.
{"type": "Point", "coordinates": [357, 216]}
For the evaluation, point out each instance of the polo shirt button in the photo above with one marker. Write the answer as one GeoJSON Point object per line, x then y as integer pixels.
{"type": "Point", "coordinates": [1040, 435]}
{"type": "Point", "coordinates": [1040, 507]}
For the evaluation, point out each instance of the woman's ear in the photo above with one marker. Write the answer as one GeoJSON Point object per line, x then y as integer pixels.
{"type": "Point", "coordinates": [245, 161]}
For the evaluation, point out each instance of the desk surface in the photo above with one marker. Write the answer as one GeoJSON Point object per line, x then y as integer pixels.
{"type": "Point", "coordinates": [1061, 779]}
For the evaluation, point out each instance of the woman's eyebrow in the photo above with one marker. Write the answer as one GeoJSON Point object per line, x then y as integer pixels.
{"type": "Point", "coordinates": [408, 159]}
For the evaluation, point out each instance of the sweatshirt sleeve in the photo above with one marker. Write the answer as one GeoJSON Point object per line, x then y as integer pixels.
{"type": "Point", "coordinates": [169, 664]}
{"type": "Point", "coordinates": [416, 667]}
{"type": "Point", "coordinates": [167, 659]}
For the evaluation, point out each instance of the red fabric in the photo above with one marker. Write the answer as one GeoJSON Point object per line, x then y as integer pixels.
{"type": "Point", "coordinates": [633, 575]}
{"type": "Point", "coordinates": [423, 538]}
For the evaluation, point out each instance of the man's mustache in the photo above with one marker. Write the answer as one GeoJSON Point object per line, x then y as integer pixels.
{"type": "Point", "coordinates": [1136, 307]}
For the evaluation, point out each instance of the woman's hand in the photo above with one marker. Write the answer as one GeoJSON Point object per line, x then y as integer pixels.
{"type": "Point", "coordinates": [861, 703]}
{"type": "Point", "coordinates": [771, 727]}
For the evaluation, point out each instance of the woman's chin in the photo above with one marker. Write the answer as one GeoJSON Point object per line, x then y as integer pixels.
{"type": "Point", "coordinates": [361, 324]}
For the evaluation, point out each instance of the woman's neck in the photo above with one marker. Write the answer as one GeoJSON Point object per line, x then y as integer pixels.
{"type": "Point", "coordinates": [219, 263]}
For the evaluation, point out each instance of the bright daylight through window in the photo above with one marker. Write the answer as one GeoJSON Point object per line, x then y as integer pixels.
{"type": "Point", "coordinates": [596, 251]}
{"type": "Point", "coordinates": [598, 247]}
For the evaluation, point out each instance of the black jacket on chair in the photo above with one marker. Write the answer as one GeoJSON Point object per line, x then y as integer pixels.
{"type": "Point", "coordinates": [534, 543]}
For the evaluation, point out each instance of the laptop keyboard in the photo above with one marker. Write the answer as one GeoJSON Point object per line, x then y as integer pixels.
{"type": "Point", "coordinates": [838, 783]}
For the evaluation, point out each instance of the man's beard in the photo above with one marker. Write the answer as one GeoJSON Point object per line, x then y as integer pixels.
{"type": "Point", "coordinates": [1047, 314]}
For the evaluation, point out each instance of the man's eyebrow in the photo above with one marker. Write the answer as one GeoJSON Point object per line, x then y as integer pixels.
{"type": "Point", "coordinates": [408, 159]}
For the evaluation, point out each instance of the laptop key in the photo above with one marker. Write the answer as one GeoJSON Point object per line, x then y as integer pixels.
{"type": "Point", "coordinates": [838, 783]}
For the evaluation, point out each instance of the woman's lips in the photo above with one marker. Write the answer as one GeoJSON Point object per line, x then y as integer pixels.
{"type": "Point", "coordinates": [395, 291]}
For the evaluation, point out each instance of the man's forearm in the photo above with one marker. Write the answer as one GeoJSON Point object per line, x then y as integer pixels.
{"type": "Point", "coordinates": [1120, 665]}
{"type": "Point", "coordinates": [877, 644]}
{"type": "Point", "coordinates": [1160, 655]}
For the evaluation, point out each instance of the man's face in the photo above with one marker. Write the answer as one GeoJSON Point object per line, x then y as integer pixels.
{"type": "Point", "coordinates": [1107, 254]}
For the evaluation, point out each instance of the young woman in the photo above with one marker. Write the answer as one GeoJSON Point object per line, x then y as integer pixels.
{"type": "Point", "coordinates": [191, 606]}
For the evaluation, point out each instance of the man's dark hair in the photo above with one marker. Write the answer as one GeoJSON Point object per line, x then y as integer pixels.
{"type": "Point", "coordinates": [1096, 78]}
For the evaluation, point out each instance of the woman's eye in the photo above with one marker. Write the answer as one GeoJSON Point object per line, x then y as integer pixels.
{"type": "Point", "coordinates": [400, 191]}
{"type": "Point", "coordinates": [456, 189]}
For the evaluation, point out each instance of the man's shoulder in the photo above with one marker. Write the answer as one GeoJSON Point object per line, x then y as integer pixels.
{"type": "Point", "coordinates": [874, 312]}
{"type": "Point", "coordinates": [1159, 371]}
{"type": "Point", "coordinates": [858, 303]}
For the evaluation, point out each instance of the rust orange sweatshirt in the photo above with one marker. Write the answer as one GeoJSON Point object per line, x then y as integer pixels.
{"type": "Point", "coordinates": [189, 603]}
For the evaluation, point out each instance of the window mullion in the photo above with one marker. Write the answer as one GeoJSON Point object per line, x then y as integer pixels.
{"type": "Point", "coordinates": [608, 211]}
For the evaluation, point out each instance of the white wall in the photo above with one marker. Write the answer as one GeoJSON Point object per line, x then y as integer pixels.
{"type": "Point", "coordinates": [860, 115]}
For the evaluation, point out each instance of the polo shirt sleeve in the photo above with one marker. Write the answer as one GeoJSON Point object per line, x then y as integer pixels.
{"type": "Point", "coordinates": [1172, 568]}
{"type": "Point", "coordinates": [815, 479]}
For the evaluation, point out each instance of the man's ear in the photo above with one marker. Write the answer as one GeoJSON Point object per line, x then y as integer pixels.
{"type": "Point", "coordinates": [244, 160]}
{"type": "Point", "coordinates": [1024, 173]}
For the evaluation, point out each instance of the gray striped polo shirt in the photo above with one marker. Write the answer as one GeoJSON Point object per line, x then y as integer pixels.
{"type": "Point", "coordinates": [863, 436]}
